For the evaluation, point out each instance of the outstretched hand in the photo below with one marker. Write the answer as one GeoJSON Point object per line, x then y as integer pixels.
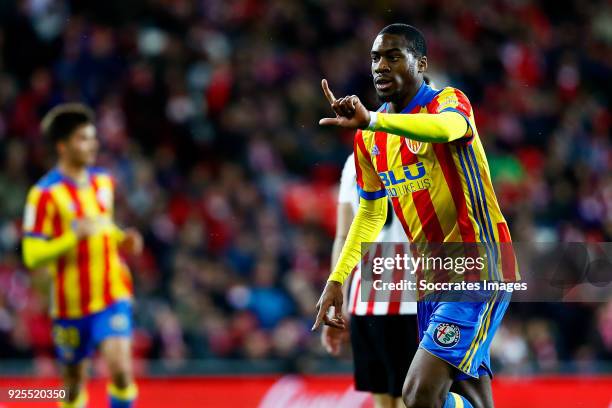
{"type": "Point", "coordinates": [332, 296]}
{"type": "Point", "coordinates": [350, 112]}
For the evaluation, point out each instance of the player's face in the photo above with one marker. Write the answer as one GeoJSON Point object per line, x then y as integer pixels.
{"type": "Point", "coordinates": [395, 69]}
{"type": "Point", "coordinates": [81, 147]}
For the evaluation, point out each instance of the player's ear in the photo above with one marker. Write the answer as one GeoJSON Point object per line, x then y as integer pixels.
{"type": "Point", "coordinates": [422, 64]}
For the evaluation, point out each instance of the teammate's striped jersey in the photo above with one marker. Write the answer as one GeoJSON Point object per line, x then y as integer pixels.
{"type": "Point", "coordinates": [376, 302]}
{"type": "Point", "coordinates": [441, 192]}
{"type": "Point", "coordinates": [90, 276]}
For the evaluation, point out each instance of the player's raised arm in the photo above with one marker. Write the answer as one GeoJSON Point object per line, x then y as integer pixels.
{"type": "Point", "coordinates": [424, 127]}
{"type": "Point", "coordinates": [450, 123]}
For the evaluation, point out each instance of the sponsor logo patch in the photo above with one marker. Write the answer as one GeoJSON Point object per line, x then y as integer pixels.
{"type": "Point", "coordinates": [447, 335]}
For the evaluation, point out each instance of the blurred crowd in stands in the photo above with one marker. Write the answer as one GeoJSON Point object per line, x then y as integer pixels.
{"type": "Point", "coordinates": [207, 111]}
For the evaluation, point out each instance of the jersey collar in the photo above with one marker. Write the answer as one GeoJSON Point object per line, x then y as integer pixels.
{"type": "Point", "coordinates": [418, 99]}
{"type": "Point", "coordinates": [69, 180]}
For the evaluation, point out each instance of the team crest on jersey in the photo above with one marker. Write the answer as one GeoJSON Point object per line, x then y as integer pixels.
{"type": "Point", "coordinates": [413, 145]}
{"type": "Point", "coordinates": [446, 335]}
{"type": "Point", "coordinates": [375, 151]}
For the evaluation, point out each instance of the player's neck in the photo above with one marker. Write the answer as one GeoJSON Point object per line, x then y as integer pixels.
{"type": "Point", "coordinates": [75, 172]}
{"type": "Point", "coordinates": [401, 103]}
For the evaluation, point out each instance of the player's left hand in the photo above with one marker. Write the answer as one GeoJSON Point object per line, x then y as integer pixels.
{"type": "Point", "coordinates": [132, 243]}
{"type": "Point", "coordinates": [332, 296]}
{"type": "Point", "coordinates": [350, 112]}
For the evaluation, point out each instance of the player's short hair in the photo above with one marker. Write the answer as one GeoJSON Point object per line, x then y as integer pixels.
{"type": "Point", "coordinates": [59, 123]}
{"type": "Point", "coordinates": [415, 38]}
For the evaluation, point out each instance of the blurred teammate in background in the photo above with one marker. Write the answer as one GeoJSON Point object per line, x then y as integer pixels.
{"type": "Point", "coordinates": [69, 229]}
{"type": "Point", "coordinates": [383, 331]}
{"type": "Point", "coordinates": [422, 150]}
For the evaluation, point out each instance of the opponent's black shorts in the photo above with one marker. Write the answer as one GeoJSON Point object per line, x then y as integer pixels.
{"type": "Point", "coordinates": [383, 348]}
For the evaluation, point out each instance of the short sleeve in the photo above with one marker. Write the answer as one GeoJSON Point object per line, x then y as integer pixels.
{"type": "Point", "coordinates": [453, 100]}
{"type": "Point", "coordinates": [369, 185]}
{"type": "Point", "coordinates": [38, 213]}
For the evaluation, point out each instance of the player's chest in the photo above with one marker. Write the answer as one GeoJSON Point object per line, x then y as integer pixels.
{"type": "Point", "coordinates": [403, 165]}
{"type": "Point", "coordinates": [86, 200]}
{"type": "Point", "coordinates": [411, 158]}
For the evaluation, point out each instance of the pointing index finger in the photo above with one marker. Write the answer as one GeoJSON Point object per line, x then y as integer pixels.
{"type": "Point", "coordinates": [328, 93]}
{"type": "Point", "coordinates": [318, 321]}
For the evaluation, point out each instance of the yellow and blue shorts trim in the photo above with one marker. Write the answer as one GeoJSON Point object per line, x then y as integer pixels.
{"type": "Point", "coordinates": [460, 332]}
{"type": "Point", "coordinates": [76, 339]}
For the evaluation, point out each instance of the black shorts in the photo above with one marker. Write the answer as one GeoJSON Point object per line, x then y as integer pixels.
{"type": "Point", "coordinates": [383, 348]}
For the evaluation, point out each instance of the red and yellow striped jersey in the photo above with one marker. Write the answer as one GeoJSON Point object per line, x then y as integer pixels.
{"type": "Point", "coordinates": [90, 275]}
{"type": "Point", "coordinates": [441, 192]}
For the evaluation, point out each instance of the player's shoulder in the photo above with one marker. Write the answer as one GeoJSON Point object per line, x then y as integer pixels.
{"type": "Point", "coordinates": [43, 186]}
{"type": "Point", "coordinates": [100, 173]}
{"type": "Point", "coordinates": [52, 178]}
{"type": "Point", "coordinates": [449, 98]}
{"type": "Point", "coordinates": [449, 92]}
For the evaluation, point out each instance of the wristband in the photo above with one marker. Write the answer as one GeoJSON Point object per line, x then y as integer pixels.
{"type": "Point", "coordinates": [373, 120]}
